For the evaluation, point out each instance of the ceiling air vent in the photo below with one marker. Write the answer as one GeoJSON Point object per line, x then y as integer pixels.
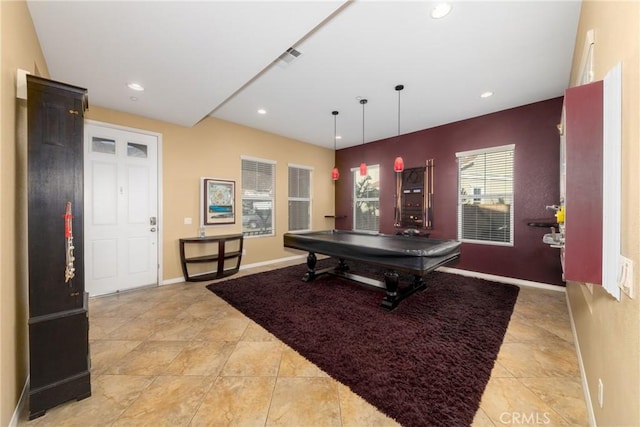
{"type": "Point", "coordinates": [288, 56]}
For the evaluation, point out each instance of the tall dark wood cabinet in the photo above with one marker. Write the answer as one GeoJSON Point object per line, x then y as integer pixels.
{"type": "Point", "coordinates": [58, 322]}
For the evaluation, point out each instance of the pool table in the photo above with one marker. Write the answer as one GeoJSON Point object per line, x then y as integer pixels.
{"type": "Point", "coordinates": [416, 256]}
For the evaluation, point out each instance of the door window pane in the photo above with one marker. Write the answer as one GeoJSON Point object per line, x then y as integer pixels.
{"type": "Point", "coordinates": [103, 145]}
{"type": "Point", "coordinates": [136, 150]}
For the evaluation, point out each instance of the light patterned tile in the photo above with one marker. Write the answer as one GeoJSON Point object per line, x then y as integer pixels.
{"type": "Point", "coordinates": [255, 332]}
{"type": "Point", "coordinates": [168, 401]}
{"type": "Point", "coordinates": [201, 358]}
{"type": "Point", "coordinates": [564, 395]}
{"type": "Point", "coordinates": [229, 328]}
{"type": "Point", "coordinates": [254, 359]}
{"type": "Point", "coordinates": [551, 358]}
{"type": "Point", "coordinates": [357, 412]}
{"type": "Point", "coordinates": [105, 353]}
{"type": "Point", "coordinates": [304, 402]}
{"type": "Point", "coordinates": [294, 365]}
{"type": "Point", "coordinates": [506, 401]}
{"type": "Point", "coordinates": [149, 358]}
{"type": "Point", "coordinates": [482, 420]}
{"type": "Point", "coordinates": [110, 396]}
{"type": "Point", "coordinates": [237, 401]}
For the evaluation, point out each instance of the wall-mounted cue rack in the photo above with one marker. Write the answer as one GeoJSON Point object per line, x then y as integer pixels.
{"type": "Point", "coordinates": [414, 197]}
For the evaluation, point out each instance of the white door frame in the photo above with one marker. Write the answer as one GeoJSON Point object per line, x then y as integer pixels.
{"type": "Point", "coordinates": [160, 174]}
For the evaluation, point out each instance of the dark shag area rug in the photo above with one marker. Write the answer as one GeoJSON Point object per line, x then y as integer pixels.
{"type": "Point", "coordinates": [426, 363]}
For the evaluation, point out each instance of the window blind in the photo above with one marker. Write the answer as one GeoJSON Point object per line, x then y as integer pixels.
{"type": "Point", "coordinates": [485, 195]}
{"type": "Point", "coordinates": [299, 198]}
{"type": "Point", "coordinates": [258, 192]}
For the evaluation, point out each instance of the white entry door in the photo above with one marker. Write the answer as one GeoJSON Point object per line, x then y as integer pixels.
{"type": "Point", "coordinates": [121, 209]}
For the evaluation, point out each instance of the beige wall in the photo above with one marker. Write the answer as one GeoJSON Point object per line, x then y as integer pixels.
{"type": "Point", "coordinates": [212, 148]}
{"type": "Point", "coordinates": [609, 331]}
{"type": "Point", "coordinates": [20, 49]}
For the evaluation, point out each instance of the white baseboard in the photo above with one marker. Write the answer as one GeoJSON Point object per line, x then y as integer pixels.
{"type": "Point", "coordinates": [22, 403]}
{"type": "Point", "coordinates": [274, 261]}
{"type": "Point", "coordinates": [502, 279]}
{"type": "Point", "coordinates": [243, 267]}
{"type": "Point", "coordinates": [583, 374]}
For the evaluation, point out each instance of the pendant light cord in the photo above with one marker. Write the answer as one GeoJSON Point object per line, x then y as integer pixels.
{"type": "Point", "coordinates": [363, 101]}
{"type": "Point", "coordinates": [335, 118]}
{"type": "Point", "coordinates": [399, 89]}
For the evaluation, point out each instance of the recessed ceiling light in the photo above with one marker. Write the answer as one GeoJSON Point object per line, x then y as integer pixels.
{"type": "Point", "coordinates": [133, 98]}
{"type": "Point", "coordinates": [135, 86]}
{"type": "Point", "coordinates": [440, 10]}
{"type": "Point", "coordinates": [262, 111]}
{"type": "Point", "coordinates": [486, 94]}
{"type": "Point", "coordinates": [338, 137]}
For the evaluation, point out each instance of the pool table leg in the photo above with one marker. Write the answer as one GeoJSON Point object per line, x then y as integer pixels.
{"type": "Point", "coordinates": [392, 298]}
{"type": "Point", "coordinates": [311, 267]}
{"type": "Point", "coordinates": [342, 266]}
{"type": "Point", "coordinates": [395, 295]}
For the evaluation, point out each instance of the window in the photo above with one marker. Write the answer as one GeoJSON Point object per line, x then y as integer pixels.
{"type": "Point", "coordinates": [485, 195]}
{"type": "Point", "coordinates": [258, 195]}
{"type": "Point", "coordinates": [299, 198]}
{"type": "Point", "coordinates": [366, 196]}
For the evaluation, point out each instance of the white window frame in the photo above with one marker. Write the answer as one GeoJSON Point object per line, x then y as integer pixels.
{"type": "Point", "coordinates": [355, 172]}
{"type": "Point", "coordinates": [262, 197]}
{"type": "Point", "coordinates": [477, 198]}
{"type": "Point", "coordinates": [300, 199]}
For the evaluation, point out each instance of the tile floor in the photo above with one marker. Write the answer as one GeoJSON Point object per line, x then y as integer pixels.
{"type": "Point", "coordinates": [178, 355]}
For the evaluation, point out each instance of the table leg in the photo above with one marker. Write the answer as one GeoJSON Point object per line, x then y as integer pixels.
{"type": "Point", "coordinates": [311, 268]}
{"type": "Point", "coordinates": [391, 299]}
{"type": "Point", "coordinates": [342, 265]}
{"type": "Point", "coordinates": [394, 293]}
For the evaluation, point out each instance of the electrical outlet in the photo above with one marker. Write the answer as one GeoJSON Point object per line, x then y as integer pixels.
{"type": "Point", "coordinates": [187, 221]}
{"type": "Point", "coordinates": [600, 393]}
{"type": "Point", "coordinates": [625, 276]}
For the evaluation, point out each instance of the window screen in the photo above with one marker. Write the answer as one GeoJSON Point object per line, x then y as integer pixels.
{"type": "Point", "coordinates": [485, 195]}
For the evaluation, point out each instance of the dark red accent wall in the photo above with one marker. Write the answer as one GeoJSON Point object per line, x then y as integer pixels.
{"type": "Point", "coordinates": [533, 130]}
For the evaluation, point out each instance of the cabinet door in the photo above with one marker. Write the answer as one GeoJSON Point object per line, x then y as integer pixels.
{"type": "Point", "coordinates": [583, 217]}
{"type": "Point", "coordinates": [55, 125]}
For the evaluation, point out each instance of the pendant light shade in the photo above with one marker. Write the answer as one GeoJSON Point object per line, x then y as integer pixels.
{"type": "Point", "coordinates": [335, 173]}
{"type": "Point", "coordinates": [398, 164]}
{"type": "Point", "coordinates": [363, 165]}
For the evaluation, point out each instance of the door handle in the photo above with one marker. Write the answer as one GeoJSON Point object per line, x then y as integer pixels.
{"type": "Point", "coordinates": [153, 229]}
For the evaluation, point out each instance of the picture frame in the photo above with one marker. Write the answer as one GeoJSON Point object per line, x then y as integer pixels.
{"type": "Point", "coordinates": [217, 201]}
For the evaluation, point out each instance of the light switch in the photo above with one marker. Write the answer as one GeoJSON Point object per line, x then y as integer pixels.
{"type": "Point", "coordinates": [188, 221]}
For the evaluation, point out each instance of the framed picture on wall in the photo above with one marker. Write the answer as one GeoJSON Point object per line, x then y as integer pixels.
{"type": "Point", "coordinates": [217, 201]}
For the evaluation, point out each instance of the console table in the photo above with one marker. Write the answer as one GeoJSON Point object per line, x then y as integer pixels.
{"type": "Point", "coordinates": [212, 250]}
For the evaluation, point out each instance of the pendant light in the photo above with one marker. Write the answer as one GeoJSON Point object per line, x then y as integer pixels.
{"type": "Point", "coordinates": [398, 164]}
{"type": "Point", "coordinates": [335, 173]}
{"type": "Point", "coordinates": [363, 165]}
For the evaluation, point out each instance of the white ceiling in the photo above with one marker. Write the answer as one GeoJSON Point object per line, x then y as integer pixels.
{"type": "Point", "coordinates": [220, 58]}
